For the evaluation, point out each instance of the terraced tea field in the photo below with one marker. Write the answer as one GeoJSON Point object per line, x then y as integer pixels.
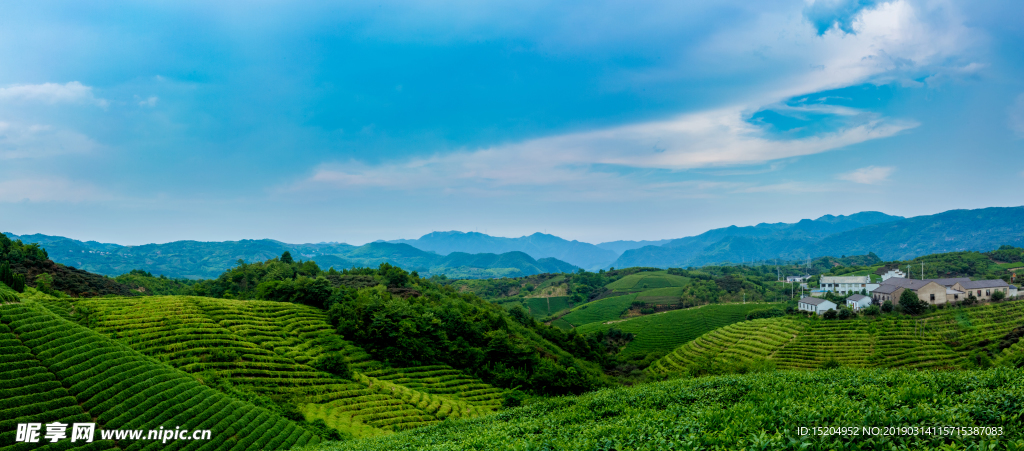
{"type": "Point", "coordinates": [944, 339]}
{"type": "Point", "coordinates": [758, 411]}
{"type": "Point", "coordinates": [270, 348]}
{"type": "Point", "coordinates": [56, 370]}
{"type": "Point", "coordinates": [546, 306]}
{"type": "Point", "coordinates": [648, 280]}
{"type": "Point", "coordinates": [599, 311]}
{"type": "Point", "coordinates": [665, 331]}
{"type": "Point", "coordinates": [442, 380]}
{"type": "Point", "coordinates": [668, 295]}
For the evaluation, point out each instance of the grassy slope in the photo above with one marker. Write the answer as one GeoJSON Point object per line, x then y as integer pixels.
{"type": "Point", "coordinates": [665, 331]}
{"type": "Point", "coordinates": [599, 311]}
{"type": "Point", "coordinates": [54, 369]}
{"type": "Point", "coordinates": [940, 340]}
{"type": "Point", "coordinates": [669, 295]}
{"type": "Point", "coordinates": [656, 279]}
{"type": "Point", "coordinates": [541, 307]}
{"type": "Point", "coordinates": [269, 348]}
{"type": "Point", "coordinates": [754, 412]}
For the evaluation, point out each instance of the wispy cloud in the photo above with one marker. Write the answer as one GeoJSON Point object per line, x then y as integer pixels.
{"type": "Point", "coordinates": [147, 102]}
{"type": "Point", "coordinates": [870, 175]}
{"type": "Point", "coordinates": [601, 160]}
{"type": "Point", "coordinates": [52, 93]}
{"type": "Point", "coordinates": [892, 42]}
{"type": "Point", "coordinates": [50, 189]}
{"type": "Point", "coordinates": [18, 141]}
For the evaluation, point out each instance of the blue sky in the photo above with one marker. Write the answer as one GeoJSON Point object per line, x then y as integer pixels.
{"type": "Point", "coordinates": [599, 120]}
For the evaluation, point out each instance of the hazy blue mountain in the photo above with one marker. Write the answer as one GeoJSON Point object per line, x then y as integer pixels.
{"type": "Point", "coordinates": [538, 245]}
{"type": "Point", "coordinates": [889, 237]}
{"type": "Point", "coordinates": [980, 230]}
{"type": "Point", "coordinates": [623, 245]}
{"type": "Point", "coordinates": [751, 243]}
{"type": "Point", "coordinates": [203, 260]}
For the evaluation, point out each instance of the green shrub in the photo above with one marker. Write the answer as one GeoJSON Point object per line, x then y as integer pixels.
{"type": "Point", "coordinates": [978, 359]}
{"type": "Point", "coordinates": [830, 314]}
{"type": "Point", "coordinates": [513, 398]}
{"type": "Point", "coordinates": [765, 313]}
{"type": "Point", "coordinates": [334, 363]}
{"type": "Point", "coordinates": [887, 307]}
{"type": "Point", "coordinates": [830, 364]}
{"type": "Point", "coordinates": [998, 295]}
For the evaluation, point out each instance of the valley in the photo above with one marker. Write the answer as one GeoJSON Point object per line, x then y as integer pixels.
{"type": "Point", "coordinates": [284, 354]}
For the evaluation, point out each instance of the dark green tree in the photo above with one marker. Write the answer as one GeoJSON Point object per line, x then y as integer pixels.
{"type": "Point", "coordinates": [911, 303]}
{"type": "Point", "coordinates": [6, 276]}
{"type": "Point", "coordinates": [286, 257]}
{"type": "Point", "coordinates": [19, 283]}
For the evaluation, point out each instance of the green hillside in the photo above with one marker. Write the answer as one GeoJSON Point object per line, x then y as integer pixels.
{"type": "Point", "coordinates": [546, 306]}
{"type": "Point", "coordinates": [275, 349]}
{"type": "Point", "coordinates": [663, 332]}
{"type": "Point", "coordinates": [646, 280]}
{"type": "Point", "coordinates": [54, 369]}
{"type": "Point", "coordinates": [207, 260]}
{"type": "Point", "coordinates": [946, 339]}
{"type": "Point", "coordinates": [601, 310]}
{"type": "Point", "coordinates": [750, 412]}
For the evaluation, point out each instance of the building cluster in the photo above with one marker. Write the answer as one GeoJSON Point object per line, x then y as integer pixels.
{"type": "Point", "coordinates": [895, 283]}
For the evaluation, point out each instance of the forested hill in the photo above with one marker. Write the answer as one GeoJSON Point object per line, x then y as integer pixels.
{"type": "Point", "coordinates": [889, 237]}
{"type": "Point", "coordinates": [207, 260]}
{"type": "Point", "coordinates": [538, 245]}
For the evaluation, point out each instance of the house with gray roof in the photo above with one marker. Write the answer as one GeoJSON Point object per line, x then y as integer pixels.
{"type": "Point", "coordinates": [983, 289]}
{"type": "Point", "coordinates": [816, 305]}
{"type": "Point", "coordinates": [858, 301]}
{"type": "Point", "coordinates": [932, 291]}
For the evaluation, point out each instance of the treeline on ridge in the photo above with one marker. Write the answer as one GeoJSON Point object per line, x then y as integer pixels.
{"type": "Point", "coordinates": [403, 319]}
{"type": "Point", "coordinates": [29, 265]}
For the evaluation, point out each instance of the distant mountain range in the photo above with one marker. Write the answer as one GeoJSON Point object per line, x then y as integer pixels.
{"type": "Point", "coordinates": [889, 237]}
{"type": "Point", "coordinates": [476, 255]}
{"type": "Point", "coordinates": [206, 260]}
{"type": "Point", "coordinates": [538, 245]}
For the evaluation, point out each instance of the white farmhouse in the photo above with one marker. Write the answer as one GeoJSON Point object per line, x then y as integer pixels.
{"type": "Point", "coordinates": [791, 279]}
{"type": "Point", "coordinates": [1013, 291]}
{"type": "Point", "coordinates": [847, 284]}
{"type": "Point", "coordinates": [893, 273]}
{"type": "Point", "coordinates": [816, 305]}
{"type": "Point", "coordinates": [858, 301]}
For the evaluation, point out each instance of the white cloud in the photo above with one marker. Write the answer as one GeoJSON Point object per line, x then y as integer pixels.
{"type": "Point", "coordinates": [710, 139]}
{"type": "Point", "coordinates": [19, 141]}
{"type": "Point", "coordinates": [870, 175]}
{"type": "Point", "coordinates": [49, 189]}
{"type": "Point", "coordinates": [147, 102]}
{"type": "Point", "coordinates": [895, 41]}
{"type": "Point", "coordinates": [1016, 116]}
{"type": "Point", "coordinates": [52, 93]}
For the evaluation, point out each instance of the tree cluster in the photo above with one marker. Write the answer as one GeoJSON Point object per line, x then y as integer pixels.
{"type": "Point", "coordinates": [405, 320]}
{"type": "Point", "coordinates": [15, 281]}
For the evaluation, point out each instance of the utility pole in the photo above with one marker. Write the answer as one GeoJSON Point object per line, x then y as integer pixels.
{"type": "Point", "coordinates": [922, 270]}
